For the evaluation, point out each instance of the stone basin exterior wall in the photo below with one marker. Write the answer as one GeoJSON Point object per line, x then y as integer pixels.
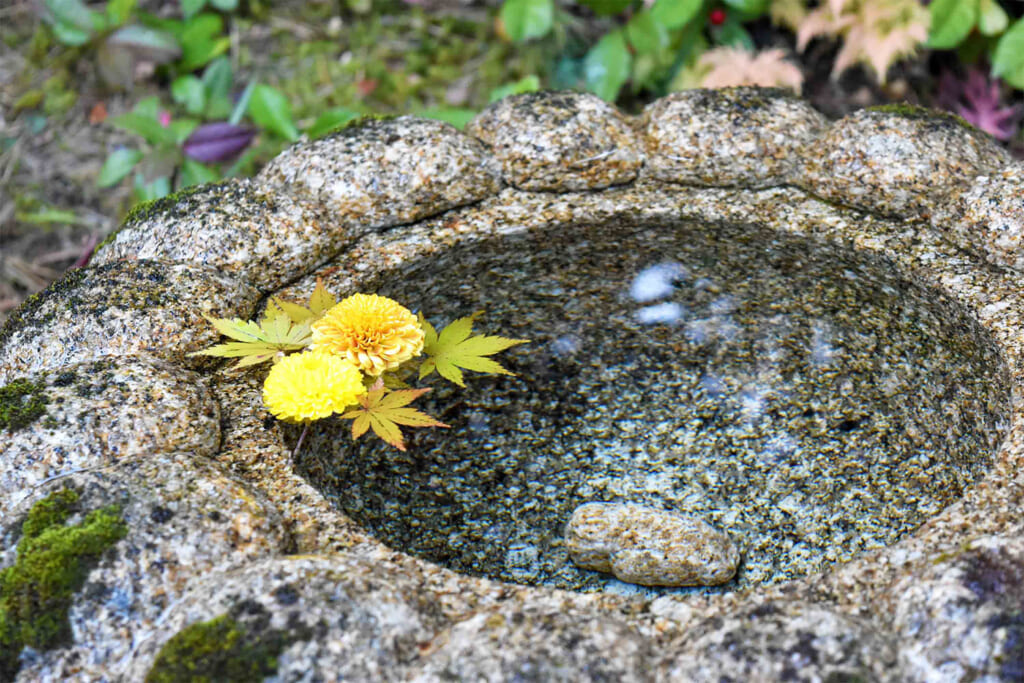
{"type": "Point", "coordinates": [229, 559]}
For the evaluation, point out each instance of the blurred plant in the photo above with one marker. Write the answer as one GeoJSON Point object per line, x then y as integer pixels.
{"type": "Point", "coordinates": [183, 151]}
{"type": "Point", "coordinates": [874, 32]}
{"type": "Point", "coordinates": [121, 45]}
{"type": "Point", "coordinates": [723, 67]}
{"type": "Point", "coordinates": [979, 101]}
{"type": "Point", "coordinates": [652, 45]}
{"type": "Point", "coordinates": [980, 29]}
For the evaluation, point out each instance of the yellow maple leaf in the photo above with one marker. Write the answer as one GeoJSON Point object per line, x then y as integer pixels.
{"type": "Point", "coordinates": [319, 302]}
{"type": "Point", "coordinates": [454, 348]}
{"type": "Point", "coordinates": [255, 343]}
{"type": "Point", "coordinates": [383, 411]}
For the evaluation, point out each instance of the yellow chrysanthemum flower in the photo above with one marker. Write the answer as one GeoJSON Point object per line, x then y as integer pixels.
{"type": "Point", "coordinates": [374, 332]}
{"type": "Point", "coordinates": [310, 386]}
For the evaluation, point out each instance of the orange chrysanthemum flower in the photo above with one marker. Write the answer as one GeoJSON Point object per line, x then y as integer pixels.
{"type": "Point", "coordinates": [373, 332]}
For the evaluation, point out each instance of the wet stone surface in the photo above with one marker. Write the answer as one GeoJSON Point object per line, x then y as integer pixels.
{"type": "Point", "coordinates": [803, 400]}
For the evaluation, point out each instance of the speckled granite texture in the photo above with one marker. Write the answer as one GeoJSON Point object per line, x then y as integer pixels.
{"type": "Point", "coordinates": [225, 527]}
{"type": "Point", "coordinates": [744, 137]}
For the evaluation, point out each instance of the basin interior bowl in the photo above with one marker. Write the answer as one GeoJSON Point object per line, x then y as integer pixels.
{"type": "Point", "coordinates": [802, 396]}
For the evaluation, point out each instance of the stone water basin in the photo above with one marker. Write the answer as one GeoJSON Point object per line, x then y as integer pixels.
{"type": "Point", "coordinates": [804, 332]}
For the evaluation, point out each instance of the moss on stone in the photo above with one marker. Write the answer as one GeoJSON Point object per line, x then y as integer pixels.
{"type": "Point", "coordinates": [22, 402]}
{"type": "Point", "coordinates": [53, 562]}
{"type": "Point", "coordinates": [916, 111]}
{"type": "Point", "coordinates": [28, 312]}
{"type": "Point", "coordinates": [222, 649]}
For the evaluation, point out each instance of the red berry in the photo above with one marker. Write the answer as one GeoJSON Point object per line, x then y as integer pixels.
{"type": "Point", "coordinates": [717, 16]}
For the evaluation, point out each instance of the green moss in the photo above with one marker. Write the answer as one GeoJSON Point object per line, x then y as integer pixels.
{"type": "Point", "coordinates": [28, 312]}
{"type": "Point", "coordinates": [22, 402]}
{"type": "Point", "coordinates": [915, 111]}
{"type": "Point", "coordinates": [53, 562]}
{"type": "Point", "coordinates": [172, 206]}
{"type": "Point", "coordinates": [221, 650]}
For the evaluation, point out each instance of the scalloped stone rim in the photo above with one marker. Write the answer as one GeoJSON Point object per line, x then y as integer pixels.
{"type": "Point", "coordinates": [420, 185]}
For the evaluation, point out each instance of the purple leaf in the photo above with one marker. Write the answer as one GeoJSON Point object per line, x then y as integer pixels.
{"type": "Point", "coordinates": [980, 102]}
{"type": "Point", "coordinates": [213, 142]}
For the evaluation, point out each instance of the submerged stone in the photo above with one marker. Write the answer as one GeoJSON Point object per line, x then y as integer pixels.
{"type": "Point", "coordinates": [650, 547]}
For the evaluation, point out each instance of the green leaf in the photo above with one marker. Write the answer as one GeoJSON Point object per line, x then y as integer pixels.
{"type": "Point", "coordinates": [732, 34]}
{"type": "Point", "coordinates": [195, 173]}
{"type": "Point", "coordinates": [457, 117]}
{"type": "Point", "coordinates": [646, 34]}
{"type": "Point", "coordinates": [952, 21]}
{"type": "Point", "coordinates": [675, 13]}
{"type": "Point", "coordinates": [526, 19]}
{"type": "Point", "coordinates": [217, 78]}
{"type": "Point", "coordinates": [147, 43]}
{"type": "Point", "coordinates": [148, 106]}
{"type": "Point", "coordinates": [70, 35]}
{"type": "Point", "coordinates": [149, 128]}
{"type": "Point", "coordinates": [383, 411]}
{"type": "Point", "coordinates": [181, 129]}
{"type": "Point", "coordinates": [748, 8]}
{"type": "Point", "coordinates": [201, 41]}
{"type": "Point", "coordinates": [1008, 58]}
{"type": "Point", "coordinates": [188, 91]}
{"type": "Point", "coordinates": [225, 5]}
{"type": "Point", "coordinates": [606, 67]}
{"type": "Point", "coordinates": [118, 11]}
{"type": "Point", "coordinates": [270, 109]}
{"type": "Point", "coordinates": [50, 216]}
{"type": "Point", "coordinates": [454, 348]}
{"type": "Point", "coordinates": [190, 8]}
{"type": "Point", "coordinates": [242, 105]}
{"type": "Point", "coordinates": [529, 83]}
{"type": "Point", "coordinates": [154, 189]}
{"type": "Point", "coordinates": [607, 7]}
{"type": "Point", "coordinates": [331, 120]}
{"type": "Point", "coordinates": [992, 19]}
{"type": "Point", "coordinates": [119, 163]}
{"type": "Point", "coordinates": [74, 14]}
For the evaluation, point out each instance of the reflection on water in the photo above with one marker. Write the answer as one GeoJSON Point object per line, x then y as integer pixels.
{"type": "Point", "coordinates": [799, 396]}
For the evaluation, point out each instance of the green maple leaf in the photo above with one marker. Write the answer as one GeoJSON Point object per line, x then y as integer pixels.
{"type": "Point", "coordinates": [454, 348]}
{"type": "Point", "coordinates": [258, 342]}
{"type": "Point", "coordinates": [383, 410]}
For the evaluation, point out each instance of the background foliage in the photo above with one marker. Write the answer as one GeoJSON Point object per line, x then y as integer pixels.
{"type": "Point", "coordinates": [109, 103]}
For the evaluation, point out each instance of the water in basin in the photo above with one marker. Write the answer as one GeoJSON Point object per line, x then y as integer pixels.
{"type": "Point", "coordinates": [802, 397]}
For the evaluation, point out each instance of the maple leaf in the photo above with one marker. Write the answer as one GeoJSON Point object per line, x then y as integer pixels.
{"type": "Point", "coordinates": [320, 301]}
{"type": "Point", "coordinates": [874, 32]}
{"type": "Point", "coordinates": [728, 66]}
{"type": "Point", "coordinates": [454, 348]}
{"type": "Point", "coordinates": [383, 411]}
{"type": "Point", "coordinates": [257, 342]}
